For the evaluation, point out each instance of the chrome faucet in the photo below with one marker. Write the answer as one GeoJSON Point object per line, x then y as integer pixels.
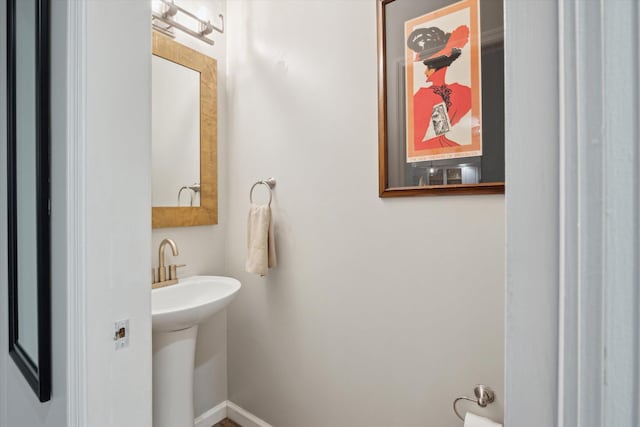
{"type": "Point", "coordinates": [162, 270]}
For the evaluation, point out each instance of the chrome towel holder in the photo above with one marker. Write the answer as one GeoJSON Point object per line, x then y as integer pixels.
{"type": "Point", "coordinates": [484, 396]}
{"type": "Point", "coordinates": [194, 188]}
{"type": "Point", "coordinates": [270, 183]}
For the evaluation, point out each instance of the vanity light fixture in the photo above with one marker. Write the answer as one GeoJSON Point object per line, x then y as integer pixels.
{"type": "Point", "coordinates": [206, 28]}
{"type": "Point", "coordinates": [163, 20]}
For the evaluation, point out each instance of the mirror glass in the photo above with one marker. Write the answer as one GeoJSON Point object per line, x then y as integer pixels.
{"type": "Point", "coordinates": [184, 135]}
{"type": "Point", "coordinates": [25, 127]}
{"type": "Point", "coordinates": [28, 192]}
{"type": "Point", "coordinates": [175, 153]}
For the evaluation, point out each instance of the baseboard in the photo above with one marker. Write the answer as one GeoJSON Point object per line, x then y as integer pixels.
{"type": "Point", "coordinates": [232, 411]}
{"type": "Point", "coordinates": [243, 417]}
{"type": "Point", "coordinates": [212, 416]}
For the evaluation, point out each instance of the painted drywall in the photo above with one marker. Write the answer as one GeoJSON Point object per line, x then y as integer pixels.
{"type": "Point", "coordinates": [202, 248]}
{"type": "Point", "coordinates": [118, 211]}
{"type": "Point", "coordinates": [19, 405]}
{"type": "Point", "coordinates": [532, 239]}
{"type": "Point", "coordinates": [380, 312]}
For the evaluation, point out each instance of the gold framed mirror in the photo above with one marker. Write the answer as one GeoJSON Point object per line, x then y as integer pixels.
{"type": "Point", "coordinates": [183, 107]}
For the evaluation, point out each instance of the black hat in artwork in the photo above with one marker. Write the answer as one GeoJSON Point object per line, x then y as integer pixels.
{"type": "Point", "coordinates": [435, 48]}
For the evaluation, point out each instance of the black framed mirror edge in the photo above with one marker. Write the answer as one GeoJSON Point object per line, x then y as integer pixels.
{"type": "Point", "coordinates": [38, 376]}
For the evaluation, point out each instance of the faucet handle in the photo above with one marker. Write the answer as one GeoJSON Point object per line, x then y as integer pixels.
{"type": "Point", "coordinates": [172, 271]}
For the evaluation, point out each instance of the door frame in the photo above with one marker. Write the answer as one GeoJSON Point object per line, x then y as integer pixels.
{"type": "Point", "coordinates": [572, 306]}
{"type": "Point", "coordinates": [76, 179]}
{"type": "Point", "coordinates": [547, 297]}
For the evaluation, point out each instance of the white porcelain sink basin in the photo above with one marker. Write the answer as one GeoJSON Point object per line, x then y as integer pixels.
{"type": "Point", "coordinates": [190, 301]}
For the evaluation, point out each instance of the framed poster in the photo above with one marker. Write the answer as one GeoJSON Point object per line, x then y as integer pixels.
{"type": "Point", "coordinates": [441, 97]}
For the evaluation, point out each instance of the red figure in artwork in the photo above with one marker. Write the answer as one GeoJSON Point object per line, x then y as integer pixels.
{"type": "Point", "coordinates": [440, 105]}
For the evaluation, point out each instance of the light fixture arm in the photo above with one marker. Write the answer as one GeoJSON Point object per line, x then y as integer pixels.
{"type": "Point", "coordinates": [170, 10]}
{"type": "Point", "coordinates": [221, 28]}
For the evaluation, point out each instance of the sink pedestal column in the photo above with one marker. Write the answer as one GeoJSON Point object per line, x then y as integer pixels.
{"type": "Point", "coordinates": [173, 360]}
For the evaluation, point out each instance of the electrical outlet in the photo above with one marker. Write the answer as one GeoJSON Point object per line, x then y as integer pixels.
{"type": "Point", "coordinates": [121, 334]}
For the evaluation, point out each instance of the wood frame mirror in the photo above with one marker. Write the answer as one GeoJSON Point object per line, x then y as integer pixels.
{"type": "Point", "coordinates": [207, 212]}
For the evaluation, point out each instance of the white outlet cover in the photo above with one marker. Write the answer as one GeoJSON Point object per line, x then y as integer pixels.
{"type": "Point", "coordinates": [121, 342]}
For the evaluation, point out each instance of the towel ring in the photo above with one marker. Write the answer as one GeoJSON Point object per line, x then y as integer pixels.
{"type": "Point", "coordinates": [270, 183]}
{"type": "Point", "coordinates": [484, 396]}
{"type": "Point", "coordinates": [190, 195]}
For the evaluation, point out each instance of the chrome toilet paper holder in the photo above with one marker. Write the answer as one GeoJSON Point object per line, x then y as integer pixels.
{"type": "Point", "coordinates": [484, 396]}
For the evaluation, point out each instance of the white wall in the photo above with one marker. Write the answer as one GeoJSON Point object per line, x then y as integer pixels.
{"type": "Point", "coordinates": [203, 248]}
{"type": "Point", "coordinates": [532, 213]}
{"type": "Point", "coordinates": [19, 406]}
{"type": "Point", "coordinates": [380, 312]}
{"type": "Point", "coordinates": [118, 211]}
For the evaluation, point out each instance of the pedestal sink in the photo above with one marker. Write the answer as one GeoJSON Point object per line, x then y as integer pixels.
{"type": "Point", "coordinates": [176, 312]}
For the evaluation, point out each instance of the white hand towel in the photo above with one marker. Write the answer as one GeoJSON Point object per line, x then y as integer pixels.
{"type": "Point", "coordinates": [472, 420]}
{"type": "Point", "coordinates": [260, 240]}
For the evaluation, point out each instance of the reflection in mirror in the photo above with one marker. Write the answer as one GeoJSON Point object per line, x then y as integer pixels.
{"type": "Point", "coordinates": [25, 154]}
{"type": "Point", "coordinates": [28, 192]}
{"type": "Point", "coordinates": [175, 153]}
{"type": "Point", "coordinates": [184, 136]}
